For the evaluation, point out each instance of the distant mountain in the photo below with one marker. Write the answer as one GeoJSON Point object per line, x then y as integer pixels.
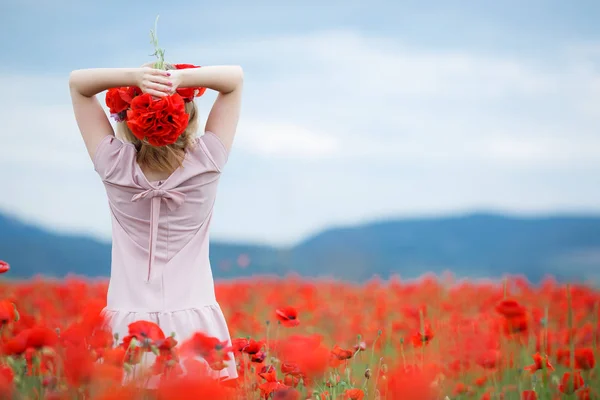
{"type": "Point", "coordinates": [476, 245]}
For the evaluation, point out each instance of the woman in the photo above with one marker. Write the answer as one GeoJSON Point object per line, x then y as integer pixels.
{"type": "Point", "coordinates": [161, 184]}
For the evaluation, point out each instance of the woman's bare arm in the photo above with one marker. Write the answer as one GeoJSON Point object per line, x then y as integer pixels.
{"type": "Point", "coordinates": [85, 84]}
{"type": "Point", "coordinates": [228, 81]}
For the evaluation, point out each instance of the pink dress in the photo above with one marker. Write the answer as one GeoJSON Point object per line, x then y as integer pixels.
{"type": "Point", "coordinates": [160, 268]}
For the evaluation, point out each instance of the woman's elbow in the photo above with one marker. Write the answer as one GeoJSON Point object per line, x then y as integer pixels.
{"type": "Point", "coordinates": [239, 76]}
{"type": "Point", "coordinates": [73, 79]}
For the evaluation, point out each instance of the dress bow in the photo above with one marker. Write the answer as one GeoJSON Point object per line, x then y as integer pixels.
{"type": "Point", "coordinates": [173, 199]}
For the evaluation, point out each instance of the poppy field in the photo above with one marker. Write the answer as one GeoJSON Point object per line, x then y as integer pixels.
{"type": "Point", "coordinates": [292, 338]}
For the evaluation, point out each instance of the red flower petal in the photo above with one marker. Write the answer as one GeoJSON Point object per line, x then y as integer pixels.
{"type": "Point", "coordinates": [4, 267]}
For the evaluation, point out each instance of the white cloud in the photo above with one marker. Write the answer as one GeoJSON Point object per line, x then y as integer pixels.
{"type": "Point", "coordinates": [281, 140]}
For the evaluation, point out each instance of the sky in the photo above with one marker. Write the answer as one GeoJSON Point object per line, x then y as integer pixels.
{"type": "Point", "coordinates": [353, 111]}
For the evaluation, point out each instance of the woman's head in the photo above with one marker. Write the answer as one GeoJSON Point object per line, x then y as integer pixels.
{"type": "Point", "coordinates": [163, 158]}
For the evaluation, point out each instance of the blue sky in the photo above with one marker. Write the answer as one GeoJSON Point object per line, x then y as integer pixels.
{"type": "Point", "coordinates": [353, 110]}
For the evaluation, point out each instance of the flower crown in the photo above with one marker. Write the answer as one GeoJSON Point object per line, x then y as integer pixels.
{"type": "Point", "coordinates": [158, 121]}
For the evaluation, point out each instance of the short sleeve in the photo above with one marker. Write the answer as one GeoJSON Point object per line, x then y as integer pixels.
{"type": "Point", "coordinates": [215, 148]}
{"type": "Point", "coordinates": [107, 156]}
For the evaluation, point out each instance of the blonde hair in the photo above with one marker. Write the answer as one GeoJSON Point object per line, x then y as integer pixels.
{"type": "Point", "coordinates": [163, 158]}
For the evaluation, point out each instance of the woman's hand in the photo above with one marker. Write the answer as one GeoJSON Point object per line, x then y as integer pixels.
{"type": "Point", "coordinates": [154, 81]}
{"type": "Point", "coordinates": [175, 79]}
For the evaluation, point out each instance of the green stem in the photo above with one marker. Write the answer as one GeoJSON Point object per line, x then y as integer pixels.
{"type": "Point", "coordinates": [571, 336]}
{"type": "Point", "coordinates": [423, 342]}
{"type": "Point", "coordinates": [403, 355]}
{"type": "Point", "coordinates": [373, 349]}
{"type": "Point", "coordinates": [267, 344]}
{"type": "Point", "coordinates": [158, 52]}
{"type": "Point", "coordinates": [378, 372]}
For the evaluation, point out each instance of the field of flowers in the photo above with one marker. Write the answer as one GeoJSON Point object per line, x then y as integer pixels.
{"type": "Point", "coordinates": [300, 339]}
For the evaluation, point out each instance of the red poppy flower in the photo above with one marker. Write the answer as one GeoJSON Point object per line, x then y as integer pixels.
{"type": "Point", "coordinates": [239, 344]}
{"type": "Point", "coordinates": [168, 344]}
{"type": "Point", "coordinates": [253, 347]}
{"type": "Point", "coordinates": [258, 357]}
{"type": "Point", "coordinates": [489, 359]}
{"type": "Point", "coordinates": [191, 387]}
{"type": "Point", "coordinates": [202, 345]}
{"type": "Point", "coordinates": [270, 387]}
{"type": "Point", "coordinates": [584, 358]}
{"type": "Point", "coordinates": [268, 373]}
{"type": "Point", "coordinates": [341, 354]}
{"type": "Point", "coordinates": [514, 325]}
{"type": "Point", "coordinates": [4, 267]}
{"type": "Point", "coordinates": [510, 308]}
{"type": "Point", "coordinates": [539, 363]}
{"type": "Point", "coordinates": [354, 394]}
{"type": "Point", "coordinates": [146, 331]}
{"type": "Point", "coordinates": [118, 99]}
{"type": "Point", "coordinates": [114, 356]}
{"type": "Point", "coordinates": [41, 336]}
{"type": "Point", "coordinates": [308, 352]}
{"type": "Point", "coordinates": [159, 121]}
{"type": "Point", "coordinates": [585, 394]}
{"type": "Point", "coordinates": [288, 316]}
{"type": "Point", "coordinates": [8, 312]}
{"type": "Point", "coordinates": [528, 395]}
{"type": "Point", "coordinates": [290, 369]}
{"type": "Point", "coordinates": [422, 338]}
{"type": "Point", "coordinates": [188, 94]}
{"type": "Point", "coordinates": [571, 382]}
{"type": "Point", "coordinates": [16, 345]}
{"type": "Point", "coordinates": [6, 381]}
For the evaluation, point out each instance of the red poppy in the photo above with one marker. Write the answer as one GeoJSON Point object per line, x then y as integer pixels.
{"type": "Point", "coordinates": [585, 394]}
{"type": "Point", "coordinates": [41, 336]}
{"type": "Point", "coordinates": [258, 357]}
{"type": "Point", "coordinates": [288, 316]}
{"type": "Point", "coordinates": [510, 308]}
{"type": "Point", "coordinates": [268, 373]}
{"type": "Point", "coordinates": [515, 325]}
{"type": "Point", "coordinates": [146, 332]}
{"type": "Point", "coordinates": [159, 121]}
{"type": "Point", "coordinates": [341, 354]}
{"type": "Point", "coordinates": [239, 344]}
{"type": "Point", "coordinates": [570, 383]}
{"type": "Point", "coordinates": [192, 387]}
{"type": "Point", "coordinates": [290, 369]}
{"type": "Point", "coordinates": [584, 358]}
{"type": "Point", "coordinates": [4, 267]}
{"type": "Point", "coordinates": [268, 389]}
{"type": "Point", "coordinates": [539, 363]}
{"type": "Point", "coordinates": [422, 338]}
{"type": "Point", "coordinates": [489, 359]}
{"type": "Point", "coordinates": [168, 344]}
{"type": "Point", "coordinates": [188, 94]}
{"type": "Point", "coordinates": [119, 99]}
{"type": "Point", "coordinates": [6, 381]}
{"type": "Point", "coordinates": [8, 312]}
{"type": "Point", "coordinates": [114, 356]}
{"type": "Point", "coordinates": [528, 395]}
{"type": "Point", "coordinates": [16, 345]}
{"type": "Point", "coordinates": [201, 344]}
{"type": "Point", "coordinates": [307, 352]}
{"type": "Point", "coordinates": [354, 394]}
{"type": "Point", "coordinates": [253, 347]}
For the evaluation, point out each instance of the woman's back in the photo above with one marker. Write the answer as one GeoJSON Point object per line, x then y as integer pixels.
{"type": "Point", "coordinates": [157, 223]}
